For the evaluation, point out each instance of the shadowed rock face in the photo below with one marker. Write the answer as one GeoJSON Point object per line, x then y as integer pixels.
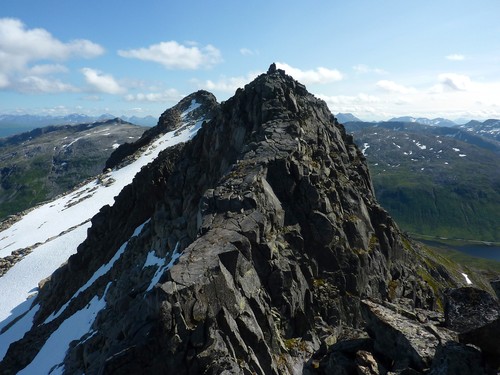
{"type": "Point", "coordinates": [204, 104]}
{"type": "Point", "coordinates": [272, 210]}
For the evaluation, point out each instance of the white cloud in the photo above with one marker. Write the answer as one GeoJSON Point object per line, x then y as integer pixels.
{"type": "Point", "coordinates": [45, 69]}
{"type": "Point", "coordinates": [34, 84]}
{"type": "Point", "coordinates": [173, 55]}
{"type": "Point", "coordinates": [155, 97]}
{"type": "Point", "coordinates": [4, 81]}
{"type": "Point", "coordinates": [453, 81]}
{"type": "Point", "coordinates": [394, 87]}
{"type": "Point", "coordinates": [318, 75]}
{"type": "Point", "coordinates": [455, 57]}
{"type": "Point", "coordinates": [361, 105]}
{"type": "Point", "coordinates": [227, 84]}
{"type": "Point", "coordinates": [343, 100]}
{"type": "Point", "coordinates": [20, 46]}
{"type": "Point", "coordinates": [248, 52]}
{"type": "Point", "coordinates": [101, 82]}
{"type": "Point", "coordinates": [363, 69]}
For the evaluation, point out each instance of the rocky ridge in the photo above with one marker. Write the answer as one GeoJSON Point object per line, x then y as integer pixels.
{"type": "Point", "coordinates": [184, 114]}
{"type": "Point", "coordinates": [258, 247]}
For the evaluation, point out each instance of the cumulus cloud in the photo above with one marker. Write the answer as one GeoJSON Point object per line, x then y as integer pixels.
{"type": "Point", "coordinates": [226, 84]}
{"type": "Point", "coordinates": [453, 81]}
{"type": "Point", "coordinates": [362, 105]}
{"type": "Point", "coordinates": [34, 84]}
{"type": "Point", "coordinates": [394, 87]}
{"type": "Point", "coordinates": [363, 69]}
{"type": "Point", "coordinates": [155, 97]}
{"type": "Point", "coordinates": [318, 75]}
{"type": "Point", "coordinates": [455, 57]}
{"type": "Point", "coordinates": [44, 69]}
{"type": "Point", "coordinates": [20, 47]}
{"type": "Point", "coordinates": [248, 52]}
{"type": "Point", "coordinates": [173, 55]}
{"type": "Point", "coordinates": [101, 82]}
{"type": "Point", "coordinates": [358, 99]}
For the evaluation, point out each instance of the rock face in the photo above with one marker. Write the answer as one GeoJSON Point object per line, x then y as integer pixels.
{"type": "Point", "coordinates": [245, 251]}
{"type": "Point", "coordinates": [194, 106]}
{"type": "Point", "coordinates": [475, 314]}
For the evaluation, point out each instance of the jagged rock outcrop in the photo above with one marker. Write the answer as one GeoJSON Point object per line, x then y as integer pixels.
{"type": "Point", "coordinates": [191, 108]}
{"type": "Point", "coordinates": [247, 250]}
{"type": "Point", "coordinates": [399, 335]}
{"type": "Point", "coordinates": [475, 314]}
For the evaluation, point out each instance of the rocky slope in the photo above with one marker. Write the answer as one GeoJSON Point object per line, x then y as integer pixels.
{"type": "Point", "coordinates": [38, 165]}
{"type": "Point", "coordinates": [257, 247]}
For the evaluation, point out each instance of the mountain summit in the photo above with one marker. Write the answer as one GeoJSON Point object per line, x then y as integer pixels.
{"type": "Point", "coordinates": [253, 248]}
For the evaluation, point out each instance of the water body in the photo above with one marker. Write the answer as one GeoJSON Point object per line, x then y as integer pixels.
{"type": "Point", "coordinates": [475, 250]}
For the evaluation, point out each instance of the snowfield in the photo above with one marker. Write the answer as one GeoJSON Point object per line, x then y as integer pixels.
{"type": "Point", "coordinates": [54, 230]}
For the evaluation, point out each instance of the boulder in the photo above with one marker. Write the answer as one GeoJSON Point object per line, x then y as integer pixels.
{"type": "Point", "coordinates": [469, 308]}
{"type": "Point", "coordinates": [453, 358]}
{"type": "Point", "coordinates": [408, 343]}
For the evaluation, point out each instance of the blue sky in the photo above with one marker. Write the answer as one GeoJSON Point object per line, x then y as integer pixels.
{"type": "Point", "coordinates": [375, 59]}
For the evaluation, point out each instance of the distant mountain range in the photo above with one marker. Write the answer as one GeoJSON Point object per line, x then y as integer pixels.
{"type": "Point", "coordinates": [488, 129]}
{"type": "Point", "coordinates": [14, 124]}
{"type": "Point", "coordinates": [346, 117]}
{"type": "Point", "coordinates": [437, 180]}
{"type": "Point", "coordinates": [424, 121]}
{"type": "Point", "coordinates": [38, 165]}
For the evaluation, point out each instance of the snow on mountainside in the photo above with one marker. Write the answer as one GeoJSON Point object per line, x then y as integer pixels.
{"type": "Point", "coordinates": [346, 117]}
{"type": "Point", "coordinates": [53, 231]}
{"type": "Point", "coordinates": [424, 121]}
{"type": "Point", "coordinates": [488, 129]}
{"type": "Point", "coordinates": [15, 124]}
{"type": "Point", "coordinates": [434, 180]}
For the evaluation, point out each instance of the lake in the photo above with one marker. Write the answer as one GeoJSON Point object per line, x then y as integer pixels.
{"type": "Point", "coordinates": [475, 250]}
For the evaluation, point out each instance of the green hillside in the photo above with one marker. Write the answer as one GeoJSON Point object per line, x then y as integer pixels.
{"type": "Point", "coordinates": [434, 184]}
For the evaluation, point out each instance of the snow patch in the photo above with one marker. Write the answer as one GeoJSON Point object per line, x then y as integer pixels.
{"type": "Point", "coordinates": [466, 277]}
{"type": "Point", "coordinates": [115, 145]}
{"type": "Point", "coordinates": [462, 155]}
{"type": "Point", "coordinates": [455, 149]}
{"type": "Point", "coordinates": [365, 147]}
{"type": "Point", "coordinates": [194, 104]}
{"type": "Point", "coordinates": [17, 330]}
{"type": "Point", "coordinates": [51, 355]}
{"type": "Point", "coordinates": [421, 146]}
{"type": "Point", "coordinates": [101, 271]}
{"type": "Point", "coordinates": [22, 279]}
{"type": "Point", "coordinates": [55, 229]}
{"type": "Point", "coordinates": [153, 260]}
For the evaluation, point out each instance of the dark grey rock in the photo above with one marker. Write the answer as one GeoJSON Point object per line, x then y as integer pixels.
{"type": "Point", "coordinates": [469, 308]}
{"type": "Point", "coordinates": [495, 284]}
{"type": "Point", "coordinates": [272, 209]}
{"type": "Point", "coordinates": [455, 359]}
{"type": "Point", "coordinates": [406, 342]}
